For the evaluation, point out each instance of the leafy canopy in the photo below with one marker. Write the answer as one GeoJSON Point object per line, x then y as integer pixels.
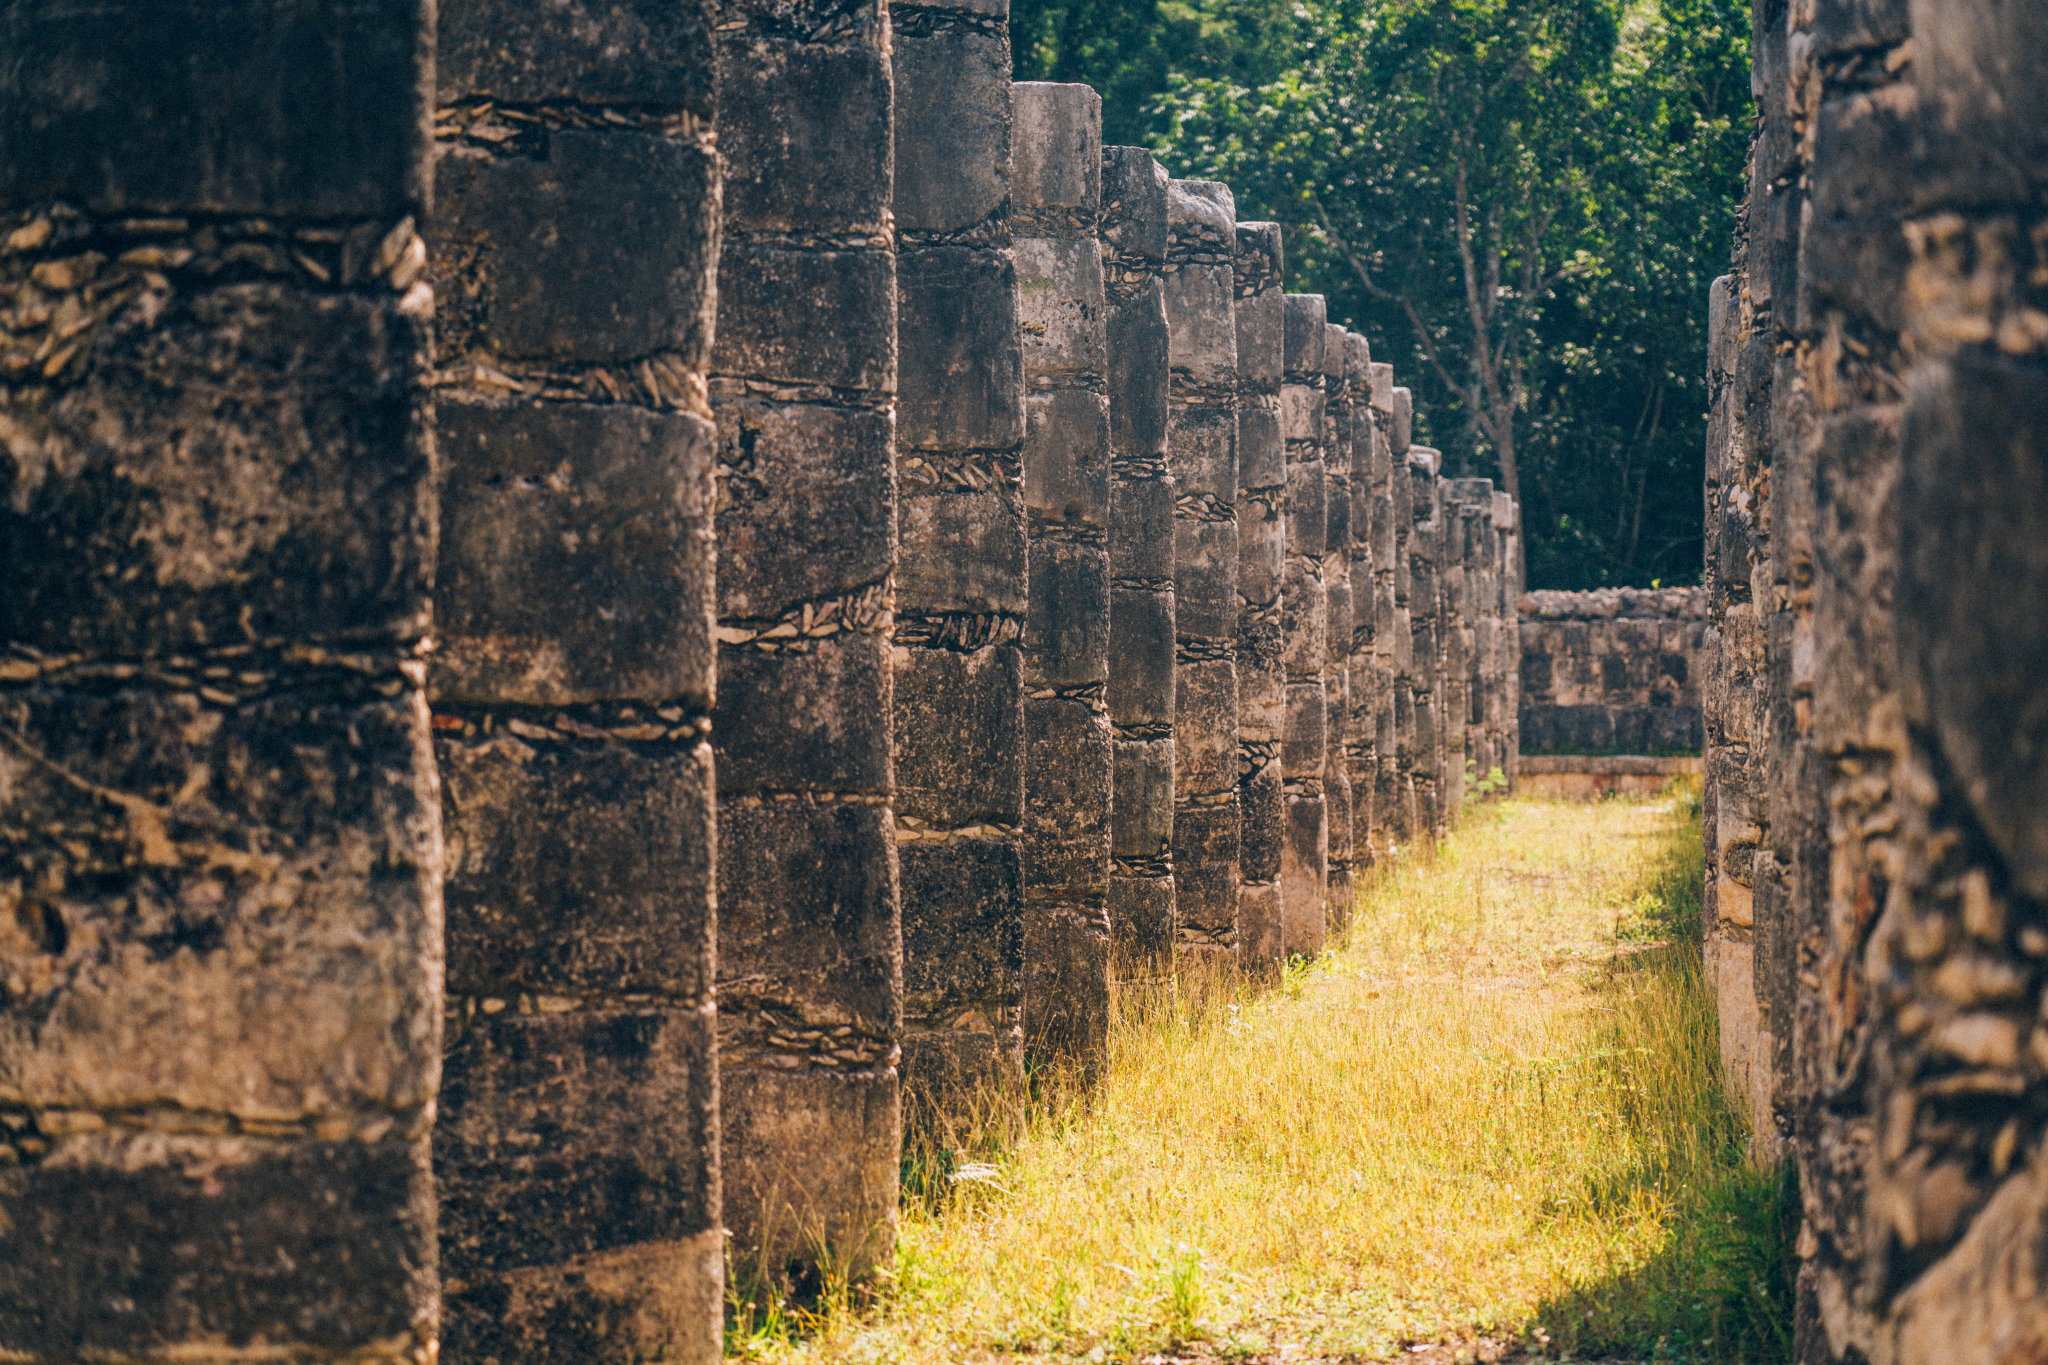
{"type": "Point", "coordinates": [1519, 202]}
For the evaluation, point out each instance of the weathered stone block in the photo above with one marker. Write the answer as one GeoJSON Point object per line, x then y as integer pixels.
{"type": "Point", "coordinates": [1261, 798]}
{"type": "Point", "coordinates": [1066, 457]}
{"type": "Point", "coordinates": [960, 736]}
{"type": "Point", "coordinates": [575, 555]}
{"type": "Point", "coordinates": [1261, 331]}
{"type": "Point", "coordinates": [1066, 638]}
{"type": "Point", "coordinates": [962, 552]}
{"type": "Point", "coordinates": [814, 721]}
{"type": "Point", "coordinates": [105, 1217]}
{"type": "Point", "coordinates": [963, 928]}
{"type": "Point", "coordinates": [1205, 578]}
{"type": "Point", "coordinates": [803, 507]}
{"type": "Point", "coordinates": [1304, 876]}
{"type": "Point", "coordinates": [1138, 351]}
{"type": "Point", "coordinates": [952, 91]}
{"type": "Point", "coordinates": [608, 51]}
{"type": "Point", "coordinates": [1141, 641]}
{"type": "Point", "coordinates": [1143, 823]}
{"type": "Point", "coordinates": [1303, 742]}
{"type": "Point", "coordinates": [252, 464]}
{"type": "Point", "coordinates": [550, 893]}
{"type": "Point", "coordinates": [306, 109]}
{"type": "Point", "coordinates": [787, 111]}
{"type": "Point", "coordinates": [1307, 509]}
{"type": "Point", "coordinates": [574, 1157]}
{"type": "Point", "coordinates": [1057, 157]}
{"type": "Point", "coordinates": [1060, 305]}
{"type": "Point", "coordinates": [1205, 728]}
{"type": "Point", "coordinates": [962, 375]}
{"type": "Point", "coordinates": [1141, 530]}
{"type": "Point", "coordinates": [552, 263]}
{"type": "Point", "coordinates": [810, 1159]}
{"type": "Point", "coordinates": [760, 288]}
{"type": "Point", "coordinates": [1069, 768]}
{"type": "Point", "coordinates": [1141, 927]}
{"type": "Point", "coordinates": [1261, 453]}
{"type": "Point", "coordinates": [141, 983]}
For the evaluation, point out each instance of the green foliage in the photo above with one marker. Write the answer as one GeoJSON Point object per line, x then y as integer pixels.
{"type": "Point", "coordinates": [1520, 203]}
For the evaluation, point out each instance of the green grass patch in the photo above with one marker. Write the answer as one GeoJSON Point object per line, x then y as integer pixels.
{"type": "Point", "coordinates": [1493, 1112]}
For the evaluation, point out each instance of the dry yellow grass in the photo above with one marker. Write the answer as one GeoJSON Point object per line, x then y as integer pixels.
{"type": "Point", "coordinates": [1493, 1109]}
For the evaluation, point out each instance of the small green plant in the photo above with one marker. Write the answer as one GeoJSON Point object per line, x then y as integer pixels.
{"type": "Point", "coordinates": [1184, 1295]}
{"type": "Point", "coordinates": [1479, 788]}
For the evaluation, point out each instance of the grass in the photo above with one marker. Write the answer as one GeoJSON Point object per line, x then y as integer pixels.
{"type": "Point", "coordinates": [1491, 1118]}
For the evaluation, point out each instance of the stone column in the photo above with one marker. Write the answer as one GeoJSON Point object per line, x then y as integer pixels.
{"type": "Point", "coordinates": [1460, 577]}
{"type": "Point", "coordinates": [220, 850]}
{"type": "Point", "coordinates": [810, 970]}
{"type": "Point", "coordinates": [1482, 680]}
{"type": "Point", "coordinates": [1305, 627]}
{"type": "Point", "coordinates": [1055, 195]}
{"type": "Point", "coordinates": [961, 582]}
{"type": "Point", "coordinates": [1141, 614]}
{"type": "Point", "coordinates": [572, 253]}
{"type": "Point", "coordinates": [1202, 456]}
{"type": "Point", "coordinates": [1507, 525]}
{"type": "Point", "coordinates": [1361, 734]}
{"type": "Point", "coordinates": [1381, 523]}
{"type": "Point", "coordinates": [1337, 639]}
{"type": "Point", "coordinates": [1401, 818]}
{"type": "Point", "coordinates": [1261, 576]}
{"type": "Point", "coordinates": [1425, 616]}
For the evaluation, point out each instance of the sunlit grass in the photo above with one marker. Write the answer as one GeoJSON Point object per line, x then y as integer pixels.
{"type": "Point", "coordinates": [1492, 1111]}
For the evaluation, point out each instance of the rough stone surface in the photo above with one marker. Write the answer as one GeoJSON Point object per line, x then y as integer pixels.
{"type": "Point", "coordinates": [1612, 671]}
{"type": "Point", "coordinates": [962, 576]}
{"type": "Point", "coordinates": [1070, 753]}
{"type": "Point", "coordinates": [1142, 618]}
{"type": "Point", "coordinates": [1202, 459]}
{"type": "Point", "coordinates": [1872, 703]}
{"type": "Point", "coordinates": [573, 681]}
{"type": "Point", "coordinates": [220, 849]}
{"type": "Point", "coordinates": [803, 380]}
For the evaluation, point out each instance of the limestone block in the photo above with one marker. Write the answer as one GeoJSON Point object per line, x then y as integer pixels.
{"type": "Point", "coordinates": [1141, 651]}
{"type": "Point", "coordinates": [963, 553]}
{"type": "Point", "coordinates": [252, 454]}
{"type": "Point", "coordinates": [575, 555]}
{"type": "Point", "coordinates": [1142, 929]}
{"type": "Point", "coordinates": [1057, 154]}
{"type": "Point", "coordinates": [963, 934]}
{"type": "Point", "coordinates": [1066, 456]}
{"type": "Point", "coordinates": [1304, 876]}
{"type": "Point", "coordinates": [787, 108]}
{"type": "Point", "coordinates": [552, 263]}
{"type": "Point", "coordinates": [814, 720]}
{"type": "Point", "coordinates": [303, 110]}
{"type": "Point", "coordinates": [1067, 785]}
{"type": "Point", "coordinates": [953, 123]}
{"type": "Point", "coordinates": [959, 737]}
{"type": "Point", "coordinates": [1066, 639]}
{"type": "Point", "coordinates": [1205, 582]}
{"type": "Point", "coordinates": [1060, 305]}
{"type": "Point", "coordinates": [1403, 422]}
{"type": "Point", "coordinates": [764, 288]}
{"type": "Point", "coordinates": [961, 371]}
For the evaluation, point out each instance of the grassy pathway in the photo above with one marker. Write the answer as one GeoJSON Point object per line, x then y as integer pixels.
{"type": "Point", "coordinates": [1488, 1119]}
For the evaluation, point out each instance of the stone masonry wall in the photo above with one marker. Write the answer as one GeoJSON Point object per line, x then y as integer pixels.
{"type": "Point", "coordinates": [1202, 458]}
{"type": "Point", "coordinates": [220, 844]}
{"type": "Point", "coordinates": [852, 595]}
{"type": "Point", "coordinates": [1876, 893]}
{"type": "Point", "coordinates": [1612, 671]}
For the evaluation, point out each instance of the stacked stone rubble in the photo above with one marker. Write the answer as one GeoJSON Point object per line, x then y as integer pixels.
{"type": "Point", "coordinates": [1261, 577]}
{"type": "Point", "coordinates": [1202, 458]}
{"type": "Point", "coordinates": [962, 585]}
{"type": "Point", "coordinates": [1141, 631]}
{"type": "Point", "coordinates": [1055, 196]}
{"type": "Point", "coordinates": [1876, 883]}
{"type": "Point", "coordinates": [571, 251]}
{"type": "Point", "coordinates": [1305, 621]}
{"type": "Point", "coordinates": [220, 850]}
{"type": "Point", "coordinates": [803, 387]}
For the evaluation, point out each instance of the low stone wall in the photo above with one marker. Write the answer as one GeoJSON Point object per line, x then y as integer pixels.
{"type": "Point", "coordinates": [553, 676]}
{"type": "Point", "coordinates": [1615, 670]}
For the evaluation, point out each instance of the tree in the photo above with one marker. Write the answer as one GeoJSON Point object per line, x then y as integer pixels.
{"type": "Point", "coordinates": [1521, 202]}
